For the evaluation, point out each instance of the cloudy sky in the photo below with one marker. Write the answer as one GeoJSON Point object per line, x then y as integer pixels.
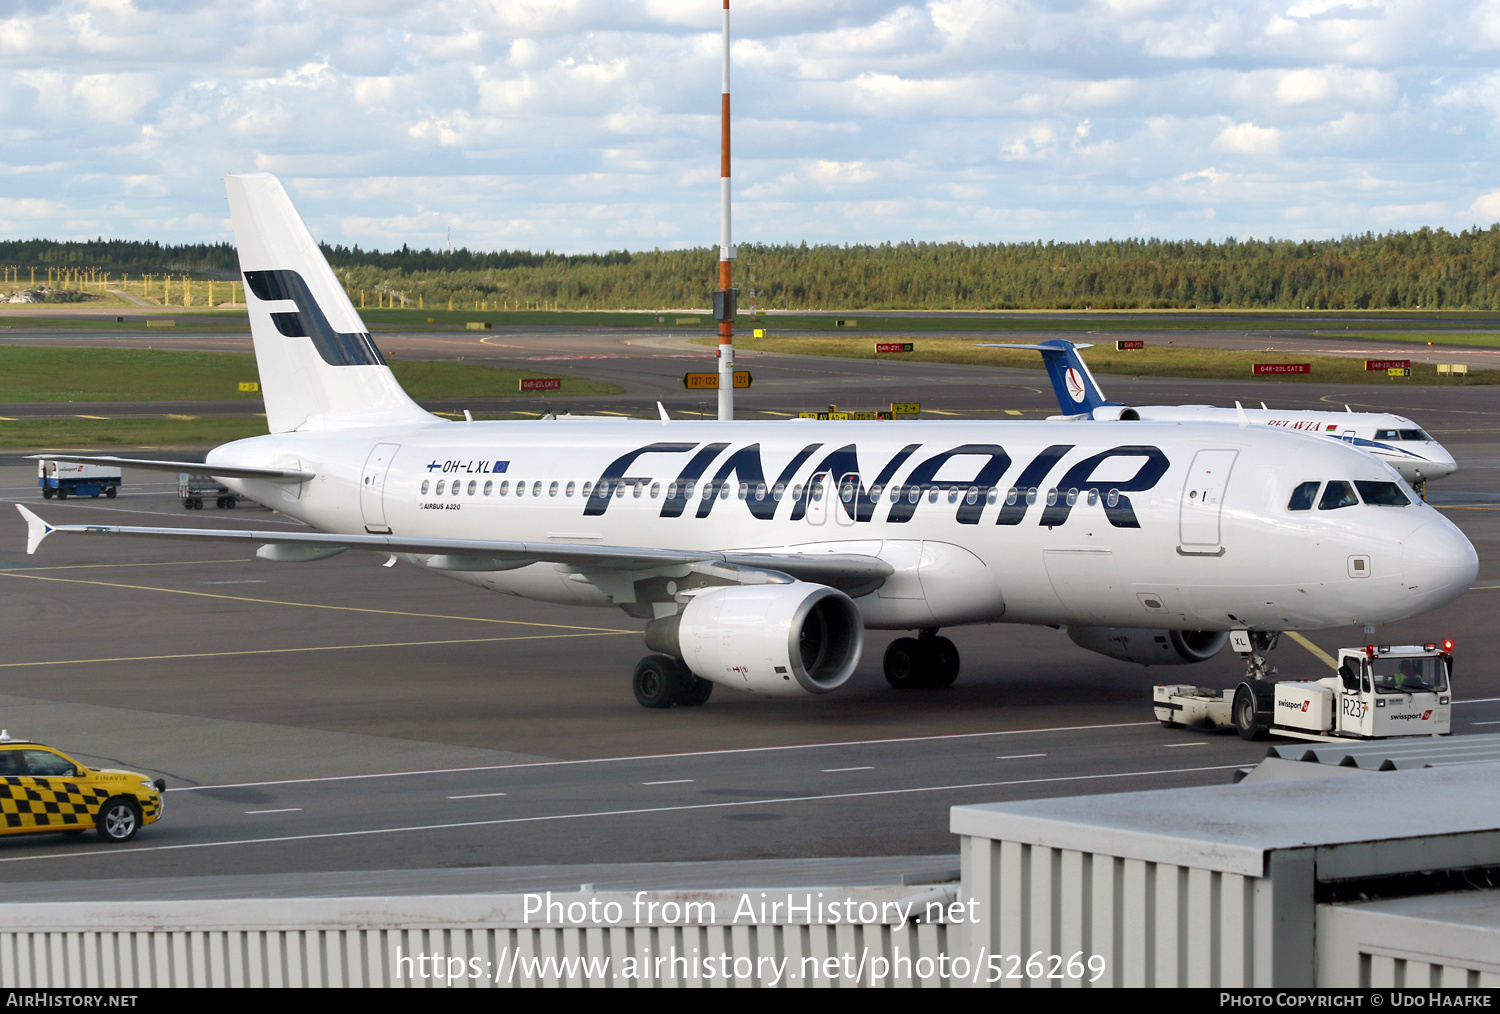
{"type": "Point", "coordinates": [586, 125]}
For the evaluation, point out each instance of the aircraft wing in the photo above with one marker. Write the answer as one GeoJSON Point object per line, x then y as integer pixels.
{"type": "Point", "coordinates": [195, 467]}
{"type": "Point", "coordinates": [850, 572]}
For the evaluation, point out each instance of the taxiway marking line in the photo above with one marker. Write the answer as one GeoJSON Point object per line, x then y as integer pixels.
{"type": "Point", "coordinates": [830, 771]}
{"type": "Point", "coordinates": [1171, 746]}
{"type": "Point", "coordinates": [312, 605]}
{"type": "Point", "coordinates": [621, 813]}
{"type": "Point", "coordinates": [1020, 756]}
{"type": "Point", "coordinates": [664, 756]}
{"type": "Point", "coordinates": [1318, 653]}
{"type": "Point", "coordinates": [320, 647]}
{"type": "Point", "coordinates": [481, 795]}
{"type": "Point", "coordinates": [1484, 723]}
{"type": "Point", "coordinates": [288, 809]}
{"type": "Point", "coordinates": [671, 781]}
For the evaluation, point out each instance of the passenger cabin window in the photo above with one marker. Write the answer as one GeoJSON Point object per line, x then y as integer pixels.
{"type": "Point", "coordinates": [440, 487]}
{"type": "Point", "coordinates": [552, 489]}
{"type": "Point", "coordinates": [1382, 494]}
{"type": "Point", "coordinates": [424, 487]}
{"type": "Point", "coordinates": [504, 487]}
{"type": "Point", "coordinates": [1303, 497]}
{"type": "Point", "coordinates": [489, 486]}
{"type": "Point", "coordinates": [473, 485]}
{"type": "Point", "coordinates": [569, 490]}
{"type": "Point", "coordinates": [1337, 494]}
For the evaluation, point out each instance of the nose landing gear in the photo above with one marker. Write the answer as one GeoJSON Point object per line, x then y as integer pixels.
{"type": "Point", "coordinates": [920, 663]}
{"type": "Point", "coordinates": [1253, 646]}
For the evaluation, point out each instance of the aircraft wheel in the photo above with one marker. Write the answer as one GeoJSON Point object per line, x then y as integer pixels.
{"type": "Point", "coordinates": [1247, 718]}
{"type": "Point", "coordinates": [697, 691]}
{"type": "Point", "coordinates": [944, 662]}
{"type": "Point", "coordinates": [907, 664]}
{"type": "Point", "coordinates": [659, 682]}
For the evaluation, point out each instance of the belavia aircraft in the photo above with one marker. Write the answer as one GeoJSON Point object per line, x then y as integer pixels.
{"type": "Point", "coordinates": [1394, 439]}
{"type": "Point", "coordinates": [760, 552]}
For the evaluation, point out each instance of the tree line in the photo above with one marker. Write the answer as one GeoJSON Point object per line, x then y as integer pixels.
{"type": "Point", "coordinates": [1427, 268]}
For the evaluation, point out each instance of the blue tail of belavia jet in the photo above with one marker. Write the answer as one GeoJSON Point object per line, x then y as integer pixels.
{"type": "Point", "coordinates": [1077, 391]}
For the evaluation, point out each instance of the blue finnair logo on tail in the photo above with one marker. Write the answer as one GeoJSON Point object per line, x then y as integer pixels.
{"type": "Point", "coordinates": [1077, 393]}
{"type": "Point", "coordinates": [309, 321]}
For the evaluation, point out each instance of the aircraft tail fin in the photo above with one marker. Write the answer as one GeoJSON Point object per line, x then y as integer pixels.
{"type": "Point", "coordinates": [1077, 391]}
{"type": "Point", "coordinates": [319, 367]}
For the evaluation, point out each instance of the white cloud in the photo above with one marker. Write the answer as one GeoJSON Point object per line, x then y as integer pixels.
{"type": "Point", "coordinates": [1248, 139]}
{"type": "Point", "coordinates": [589, 124]}
{"type": "Point", "coordinates": [1485, 209]}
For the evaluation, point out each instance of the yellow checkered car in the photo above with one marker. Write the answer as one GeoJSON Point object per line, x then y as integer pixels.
{"type": "Point", "coordinates": [44, 790]}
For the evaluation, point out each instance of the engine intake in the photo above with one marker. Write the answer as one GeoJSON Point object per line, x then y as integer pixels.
{"type": "Point", "coordinates": [775, 640]}
{"type": "Point", "coordinates": [1151, 647]}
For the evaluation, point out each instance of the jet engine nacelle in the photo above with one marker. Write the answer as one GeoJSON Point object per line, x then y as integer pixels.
{"type": "Point", "coordinates": [777, 640]}
{"type": "Point", "coordinates": [1112, 413]}
{"type": "Point", "coordinates": [1151, 647]}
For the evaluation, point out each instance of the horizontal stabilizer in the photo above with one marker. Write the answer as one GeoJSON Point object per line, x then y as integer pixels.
{"type": "Point", "coordinates": [193, 467]}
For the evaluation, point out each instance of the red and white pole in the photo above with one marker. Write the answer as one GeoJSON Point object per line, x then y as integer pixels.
{"type": "Point", "coordinates": [724, 306]}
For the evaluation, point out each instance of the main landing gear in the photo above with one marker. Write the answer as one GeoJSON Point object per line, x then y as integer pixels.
{"type": "Point", "coordinates": [662, 681]}
{"type": "Point", "coordinates": [922, 662]}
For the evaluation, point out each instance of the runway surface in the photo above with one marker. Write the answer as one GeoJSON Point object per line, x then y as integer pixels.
{"type": "Point", "coordinates": [341, 716]}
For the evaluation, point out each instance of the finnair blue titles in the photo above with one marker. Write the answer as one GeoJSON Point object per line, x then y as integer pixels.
{"type": "Point", "coordinates": [1394, 439]}
{"type": "Point", "coordinates": [759, 552]}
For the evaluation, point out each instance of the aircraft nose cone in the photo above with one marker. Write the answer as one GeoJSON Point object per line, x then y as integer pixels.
{"type": "Point", "coordinates": [1441, 466]}
{"type": "Point", "coordinates": [1438, 563]}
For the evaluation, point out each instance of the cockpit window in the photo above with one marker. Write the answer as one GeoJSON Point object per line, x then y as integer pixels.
{"type": "Point", "coordinates": [1303, 497]}
{"type": "Point", "coordinates": [1414, 435]}
{"type": "Point", "coordinates": [1385, 494]}
{"type": "Point", "coordinates": [1387, 435]}
{"type": "Point", "coordinates": [1337, 494]}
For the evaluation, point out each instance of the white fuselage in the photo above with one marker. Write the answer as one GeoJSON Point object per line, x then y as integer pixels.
{"type": "Point", "coordinates": [1170, 525]}
{"type": "Point", "coordinates": [1394, 439]}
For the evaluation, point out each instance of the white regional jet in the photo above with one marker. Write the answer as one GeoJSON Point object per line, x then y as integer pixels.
{"type": "Point", "coordinates": [760, 552]}
{"type": "Point", "coordinates": [1394, 439]}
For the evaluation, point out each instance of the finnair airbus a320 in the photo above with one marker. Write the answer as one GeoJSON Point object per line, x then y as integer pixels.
{"type": "Point", "coordinates": [760, 552]}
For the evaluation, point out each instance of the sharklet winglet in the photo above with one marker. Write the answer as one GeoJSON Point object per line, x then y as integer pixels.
{"type": "Point", "coordinates": [36, 529]}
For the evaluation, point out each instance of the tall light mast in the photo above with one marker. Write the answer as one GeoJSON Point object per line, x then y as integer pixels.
{"type": "Point", "coordinates": [724, 298]}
